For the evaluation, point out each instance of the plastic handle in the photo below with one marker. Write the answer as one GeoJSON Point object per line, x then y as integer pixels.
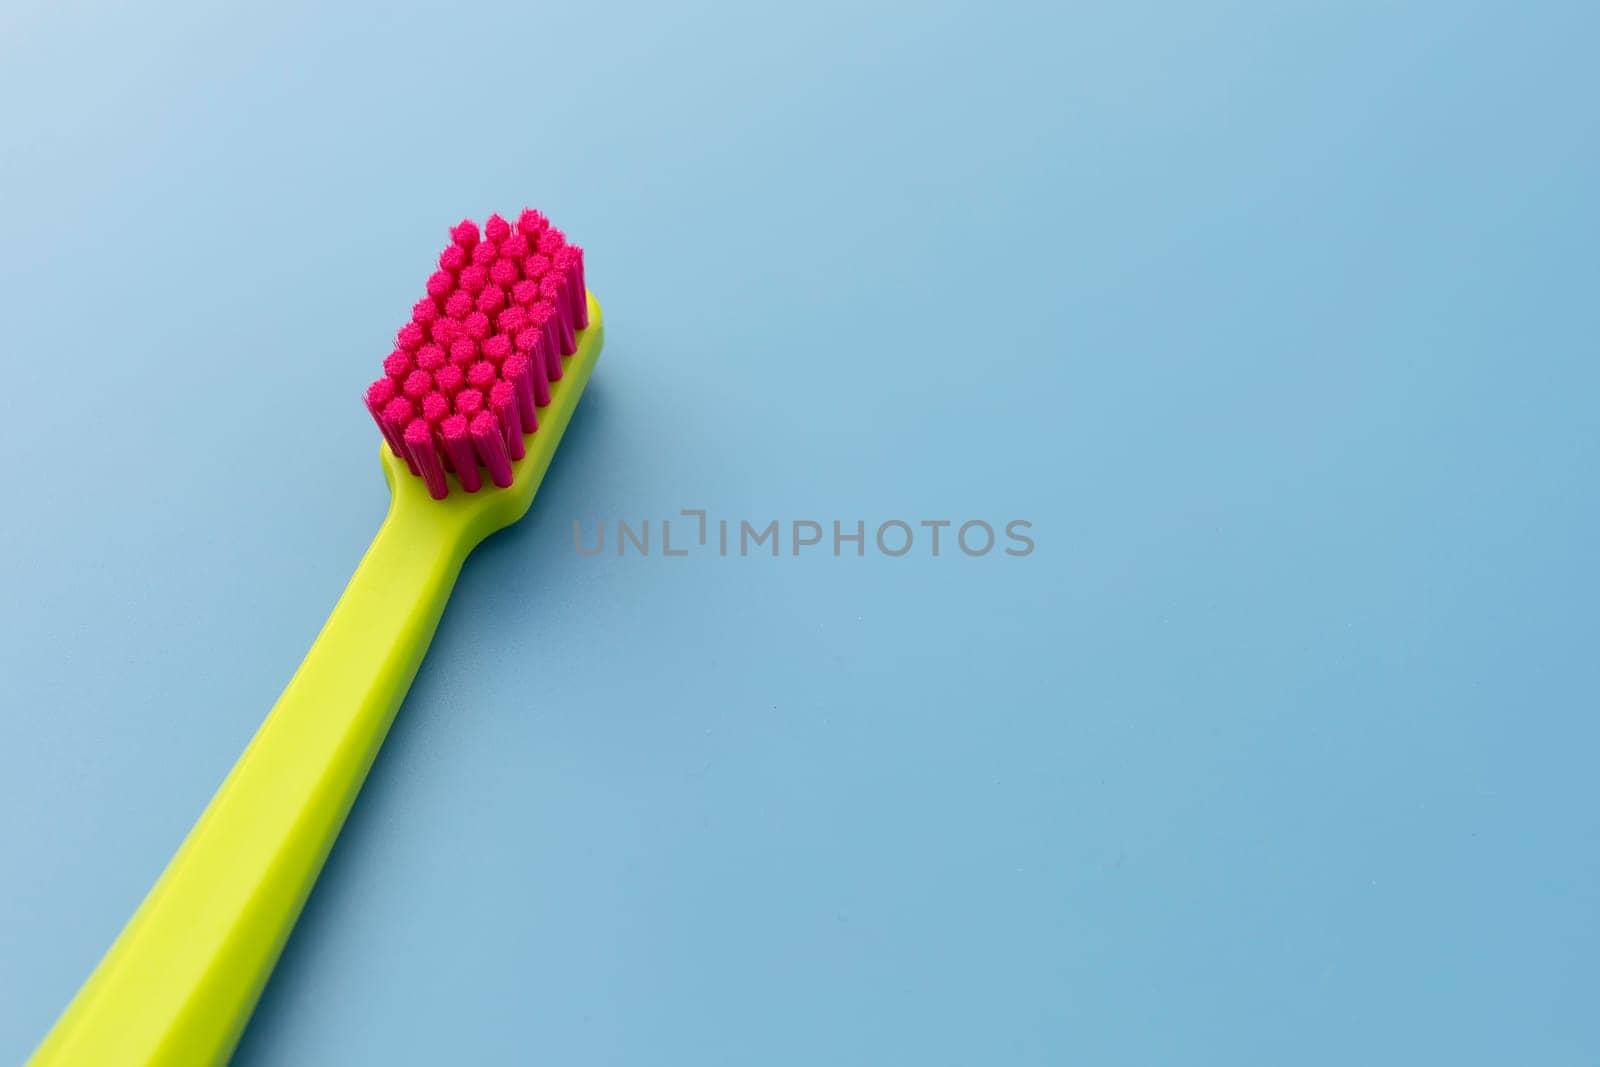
{"type": "Point", "coordinates": [178, 985]}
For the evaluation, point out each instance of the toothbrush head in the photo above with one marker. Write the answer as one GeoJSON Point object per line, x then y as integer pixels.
{"type": "Point", "coordinates": [483, 377]}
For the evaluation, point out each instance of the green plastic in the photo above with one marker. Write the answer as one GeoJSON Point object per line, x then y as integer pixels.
{"type": "Point", "coordinates": [180, 982]}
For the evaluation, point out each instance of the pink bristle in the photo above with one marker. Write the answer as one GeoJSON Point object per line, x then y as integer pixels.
{"type": "Point", "coordinates": [536, 267]}
{"type": "Point", "coordinates": [504, 273]}
{"type": "Point", "coordinates": [464, 352]}
{"type": "Point", "coordinates": [489, 441]}
{"type": "Point", "coordinates": [469, 402]}
{"type": "Point", "coordinates": [485, 254]}
{"type": "Point", "coordinates": [453, 258]}
{"type": "Point", "coordinates": [419, 383]}
{"type": "Point", "coordinates": [449, 379]}
{"type": "Point", "coordinates": [398, 364]}
{"type": "Point", "coordinates": [516, 247]}
{"type": "Point", "coordinates": [512, 320]}
{"type": "Point", "coordinates": [430, 358]}
{"type": "Point", "coordinates": [380, 392]}
{"type": "Point", "coordinates": [457, 440]}
{"type": "Point", "coordinates": [397, 416]}
{"type": "Point", "coordinates": [441, 283]}
{"type": "Point", "coordinates": [496, 228]}
{"type": "Point", "coordinates": [539, 363]}
{"type": "Point", "coordinates": [525, 291]}
{"type": "Point", "coordinates": [399, 413]}
{"type": "Point", "coordinates": [424, 312]}
{"type": "Point", "coordinates": [465, 234]}
{"type": "Point", "coordinates": [554, 291]}
{"type": "Point", "coordinates": [409, 337]}
{"type": "Point", "coordinates": [378, 396]}
{"type": "Point", "coordinates": [551, 241]}
{"type": "Point", "coordinates": [447, 332]}
{"type": "Point", "coordinates": [569, 261]}
{"type": "Point", "coordinates": [492, 299]}
{"type": "Point", "coordinates": [459, 306]}
{"type": "Point", "coordinates": [518, 370]}
{"type": "Point", "coordinates": [503, 402]}
{"type": "Point", "coordinates": [534, 344]}
{"type": "Point", "coordinates": [474, 278]}
{"type": "Point", "coordinates": [438, 447]}
{"type": "Point", "coordinates": [531, 223]}
{"type": "Point", "coordinates": [496, 349]}
{"type": "Point", "coordinates": [477, 326]}
{"type": "Point", "coordinates": [543, 316]}
{"type": "Point", "coordinates": [435, 409]}
{"type": "Point", "coordinates": [419, 445]}
{"type": "Point", "coordinates": [435, 406]}
{"type": "Point", "coordinates": [481, 375]}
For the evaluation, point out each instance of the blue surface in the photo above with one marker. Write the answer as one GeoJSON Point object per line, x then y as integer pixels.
{"type": "Point", "coordinates": [1277, 320]}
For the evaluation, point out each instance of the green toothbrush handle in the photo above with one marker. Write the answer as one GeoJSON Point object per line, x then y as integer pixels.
{"type": "Point", "coordinates": [178, 985]}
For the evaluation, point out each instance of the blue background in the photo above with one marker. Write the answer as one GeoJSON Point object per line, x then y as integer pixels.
{"type": "Point", "coordinates": [1277, 320]}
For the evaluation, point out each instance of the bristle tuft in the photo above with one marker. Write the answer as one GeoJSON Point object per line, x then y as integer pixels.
{"type": "Point", "coordinates": [481, 375]}
{"type": "Point", "coordinates": [445, 332]}
{"type": "Point", "coordinates": [418, 384]}
{"type": "Point", "coordinates": [453, 258]}
{"type": "Point", "coordinates": [399, 412]}
{"type": "Point", "coordinates": [503, 402]}
{"type": "Point", "coordinates": [430, 358]}
{"type": "Point", "coordinates": [531, 223]}
{"type": "Point", "coordinates": [397, 416]}
{"type": "Point", "coordinates": [409, 337]}
{"type": "Point", "coordinates": [459, 306]}
{"type": "Point", "coordinates": [465, 234]}
{"type": "Point", "coordinates": [450, 379]}
{"type": "Point", "coordinates": [469, 402]}
{"type": "Point", "coordinates": [492, 299]}
{"type": "Point", "coordinates": [378, 396]}
{"type": "Point", "coordinates": [490, 443]}
{"type": "Point", "coordinates": [474, 278]}
{"type": "Point", "coordinates": [569, 261]}
{"type": "Point", "coordinates": [419, 445]}
{"type": "Point", "coordinates": [551, 241]}
{"type": "Point", "coordinates": [543, 316]}
{"type": "Point", "coordinates": [477, 326]}
{"type": "Point", "coordinates": [512, 320]}
{"type": "Point", "coordinates": [517, 370]}
{"type": "Point", "coordinates": [496, 229]}
{"type": "Point", "coordinates": [554, 291]}
{"type": "Point", "coordinates": [398, 364]}
{"type": "Point", "coordinates": [517, 248]}
{"type": "Point", "coordinates": [380, 392]}
{"type": "Point", "coordinates": [505, 273]}
{"type": "Point", "coordinates": [457, 441]}
{"type": "Point", "coordinates": [538, 366]}
{"type": "Point", "coordinates": [496, 349]}
{"type": "Point", "coordinates": [435, 406]}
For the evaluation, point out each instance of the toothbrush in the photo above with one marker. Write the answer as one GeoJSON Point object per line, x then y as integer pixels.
{"type": "Point", "coordinates": [479, 389]}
